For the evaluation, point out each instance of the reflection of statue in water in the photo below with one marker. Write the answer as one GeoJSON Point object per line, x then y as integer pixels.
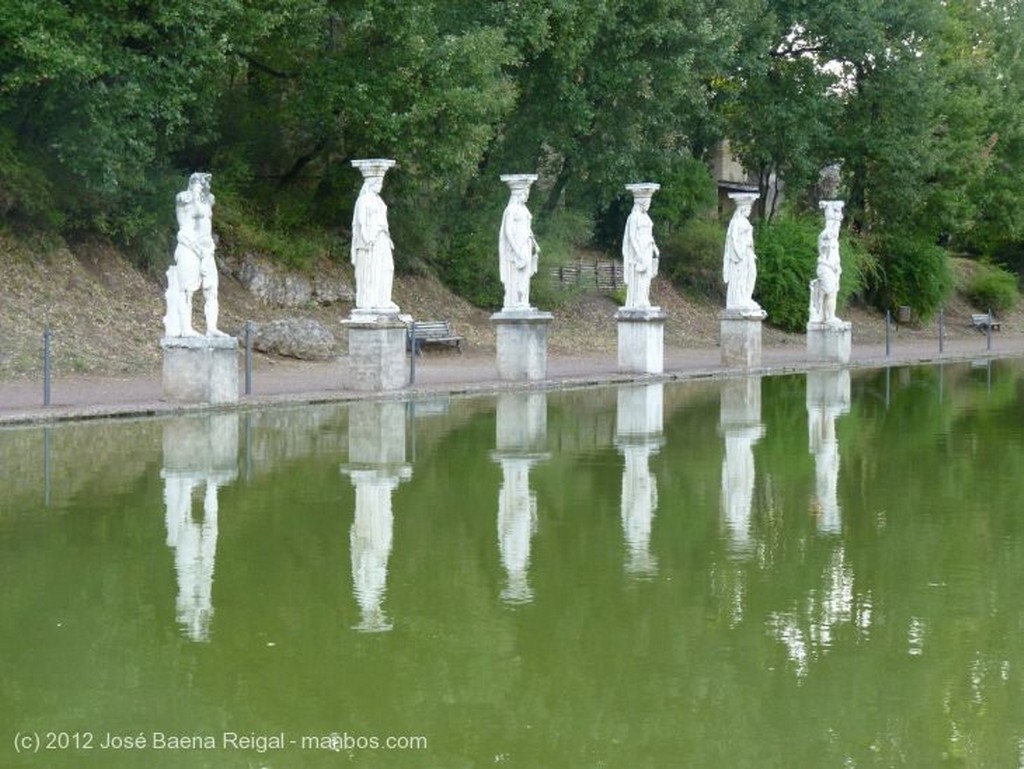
{"type": "Point", "coordinates": [517, 521]}
{"type": "Point", "coordinates": [195, 266]}
{"type": "Point", "coordinates": [825, 287]}
{"type": "Point", "coordinates": [518, 251]}
{"type": "Point", "coordinates": [199, 453]}
{"type": "Point", "coordinates": [738, 481]}
{"type": "Point", "coordinates": [195, 547]}
{"type": "Point", "coordinates": [639, 501]}
{"type": "Point", "coordinates": [372, 248]}
{"type": "Point", "coordinates": [639, 251]}
{"type": "Point", "coordinates": [828, 397]}
{"type": "Point", "coordinates": [370, 540]}
{"type": "Point", "coordinates": [739, 269]}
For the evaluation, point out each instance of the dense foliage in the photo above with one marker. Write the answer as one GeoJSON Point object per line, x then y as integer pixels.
{"type": "Point", "coordinates": [105, 107]}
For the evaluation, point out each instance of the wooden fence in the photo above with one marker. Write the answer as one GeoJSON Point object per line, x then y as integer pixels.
{"type": "Point", "coordinates": [599, 274]}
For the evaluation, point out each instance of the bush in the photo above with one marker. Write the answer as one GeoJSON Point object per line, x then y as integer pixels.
{"type": "Point", "coordinates": [787, 251]}
{"type": "Point", "coordinates": [992, 288]}
{"type": "Point", "coordinates": [469, 267]}
{"type": "Point", "coordinates": [913, 272]}
{"type": "Point", "coordinates": [692, 257]}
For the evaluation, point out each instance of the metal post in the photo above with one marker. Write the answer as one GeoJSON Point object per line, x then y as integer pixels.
{"type": "Point", "coordinates": [888, 332]}
{"type": "Point", "coordinates": [412, 352]}
{"type": "Point", "coordinates": [46, 366]}
{"type": "Point", "coordinates": [248, 357]}
{"type": "Point", "coordinates": [941, 328]}
{"type": "Point", "coordinates": [988, 331]}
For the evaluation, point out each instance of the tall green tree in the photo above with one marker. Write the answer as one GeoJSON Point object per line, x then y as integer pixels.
{"type": "Point", "coordinates": [611, 90]}
{"type": "Point", "coordinates": [96, 96]}
{"type": "Point", "coordinates": [422, 82]}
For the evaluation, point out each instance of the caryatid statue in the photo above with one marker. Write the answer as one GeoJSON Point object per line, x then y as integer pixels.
{"type": "Point", "coordinates": [825, 287]}
{"type": "Point", "coordinates": [739, 269]}
{"type": "Point", "coordinates": [639, 251]}
{"type": "Point", "coordinates": [194, 264]}
{"type": "Point", "coordinates": [518, 251]}
{"type": "Point", "coordinates": [372, 247]}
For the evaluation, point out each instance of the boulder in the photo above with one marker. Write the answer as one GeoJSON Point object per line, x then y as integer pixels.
{"type": "Point", "coordinates": [285, 288]}
{"type": "Point", "coordinates": [302, 338]}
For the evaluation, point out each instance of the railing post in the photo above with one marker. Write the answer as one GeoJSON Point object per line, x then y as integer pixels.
{"type": "Point", "coordinates": [248, 357]}
{"type": "Point", "coordinates": [941, 328]}
{"type": "Point", "coordinates": [412, 353]}
{"type": "Point", "coordinates": [988, 331]}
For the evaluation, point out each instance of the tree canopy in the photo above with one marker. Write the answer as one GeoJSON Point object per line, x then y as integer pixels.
{"type": "Point", "coordinates": [107, 105]}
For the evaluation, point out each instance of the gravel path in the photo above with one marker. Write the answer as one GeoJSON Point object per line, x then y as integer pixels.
{"type": "Point", "coordinates": [294, 382]}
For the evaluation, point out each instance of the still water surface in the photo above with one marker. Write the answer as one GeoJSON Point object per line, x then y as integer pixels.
{"type": "Point", "coordinates": [800, 571]}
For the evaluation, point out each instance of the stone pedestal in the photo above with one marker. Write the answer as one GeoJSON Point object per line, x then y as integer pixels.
{"type": "Point", "coordinates": [829, 341]}
{"type": "Point", "coordinates": [741, 338]}
{"type": "Point", "coordinates": [200, 369]}
{"type": "Point", "coordinates": [522, 341]}
{"type": "Point", "coordinates": [376, 352]}
{"type": "Point", "coordinates": [641, 340]}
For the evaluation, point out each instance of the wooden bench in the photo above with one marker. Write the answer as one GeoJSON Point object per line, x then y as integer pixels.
{"type": "Point", "coordinates": [424, 332]}
{"type": "Point", "coordinates": [982, 321]}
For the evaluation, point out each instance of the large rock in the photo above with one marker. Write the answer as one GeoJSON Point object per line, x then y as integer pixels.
{"type": "Point", "coordinates": [302, 338]}
{"type": "Point", "coordinates": [284, 288]}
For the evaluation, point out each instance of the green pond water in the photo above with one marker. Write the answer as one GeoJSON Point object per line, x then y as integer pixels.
{"type": "Point", "coordinates": [823, 570]}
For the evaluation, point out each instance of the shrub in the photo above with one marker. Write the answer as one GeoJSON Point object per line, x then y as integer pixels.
{"type": "Point", "coordinates": [992, 288]}
{"type": "Point", "coordinates": [787, 251]}
{"type": "Point", "coordinates": [469, 267]}
{"type": "Point", "coordinates": [692, 257]}
{"type": "Point", "coordinates": [913, 272]}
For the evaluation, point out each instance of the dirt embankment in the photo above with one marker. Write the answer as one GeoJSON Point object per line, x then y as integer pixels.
{"type": "Point", "coordinates": [105, 316]}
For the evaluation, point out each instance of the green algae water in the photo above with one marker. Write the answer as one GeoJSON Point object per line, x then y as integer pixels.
{"type": "Point", "coordinates": [820, 570]}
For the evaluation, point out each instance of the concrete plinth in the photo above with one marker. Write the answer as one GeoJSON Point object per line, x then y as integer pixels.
{"type": "Point", "coordinates": [376, 353]}
{"type": "Point", "coordinates": [829, 342]}
{"type": "Point", "coordinates": [641, 340]}
{"type": "Point", "coordinates": [200, 369]}
{"type": "Point", "coordinates": [741, 338]}
{"type": "Point", "coordinates": [522, 341]}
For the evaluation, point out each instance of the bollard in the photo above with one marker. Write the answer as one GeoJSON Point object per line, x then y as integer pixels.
{"type": "Point", "coordinates": [248, 357]}
{"type": "Point", "coordinates": [941, 329]}
{"type": "Point", "coordinates": [46, 366]}
{"type": "Point", "coordinates": [988, 331]}
{"type": "Point", "coordinates": [412, 353]}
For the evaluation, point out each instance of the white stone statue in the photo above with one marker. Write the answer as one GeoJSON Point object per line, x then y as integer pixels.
{"type": "Point", "coordinates": [639, 251]}
{"type": "Point", "coordinates": [825, 287]}
{"type": "Point", "coordinates": [739, 269]}
{"type": "Point", "coordinates": [372, 248]}
{"type": "Point", "coordinates": [518, 251]}
{"type": "Point", "coordinates": [194, 264]}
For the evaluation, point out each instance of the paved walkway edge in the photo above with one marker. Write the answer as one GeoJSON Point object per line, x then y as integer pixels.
{"type": "Point", "coordinates": [140, 397]}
